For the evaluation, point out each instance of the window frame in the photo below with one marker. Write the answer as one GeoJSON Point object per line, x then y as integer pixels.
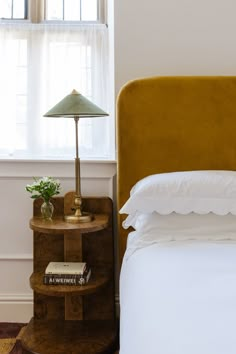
{"type": "Point", "coordinates": [12, 18]}
{"type": "Point", "coordinates": [37, 13]}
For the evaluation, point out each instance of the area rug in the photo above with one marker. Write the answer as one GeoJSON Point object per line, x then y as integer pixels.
{"type": "Point", "coordinates": [10, 335]}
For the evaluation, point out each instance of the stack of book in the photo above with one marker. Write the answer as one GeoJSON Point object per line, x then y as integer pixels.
{"type": "Point", "coordinates": [67, 273]}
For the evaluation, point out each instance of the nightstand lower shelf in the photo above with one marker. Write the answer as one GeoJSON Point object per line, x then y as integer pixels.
{"type": "Point", "coordinates": [70, 337]}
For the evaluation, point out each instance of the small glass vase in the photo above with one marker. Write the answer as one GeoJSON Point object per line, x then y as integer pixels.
{"type": "Point", "coordinates": [47, 209]}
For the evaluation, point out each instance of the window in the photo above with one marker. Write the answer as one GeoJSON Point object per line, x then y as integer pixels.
{"type": "Point", "coordinates": [42, 59]}
{"type": "Point", "coordinates": [54, 10]}
{"type": "Point", "coordinates": [13, 9]}
{"type": "Point", "coordinates": [72, 10]}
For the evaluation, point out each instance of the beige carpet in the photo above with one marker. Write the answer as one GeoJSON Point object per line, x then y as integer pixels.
{"type": "Point", "coordinates": [9, 345]}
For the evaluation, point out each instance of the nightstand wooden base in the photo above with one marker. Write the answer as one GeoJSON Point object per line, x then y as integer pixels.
{"type": "Point", "coordinates": [70, 337]}
{"type": "Point", "coordinates": [73, 319]}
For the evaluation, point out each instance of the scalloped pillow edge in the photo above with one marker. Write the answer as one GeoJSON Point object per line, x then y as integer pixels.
{"type": "Point", "coordinates": [165, 206]}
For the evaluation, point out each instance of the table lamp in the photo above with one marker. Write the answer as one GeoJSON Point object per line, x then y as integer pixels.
{"type": "Point", "coordinates": [76, 106]}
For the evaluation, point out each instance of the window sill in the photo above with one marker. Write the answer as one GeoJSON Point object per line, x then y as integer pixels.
{"type": "Point", "coordinates": [59, 160]}
{"type": "Point", "coordinates": [56, 168]}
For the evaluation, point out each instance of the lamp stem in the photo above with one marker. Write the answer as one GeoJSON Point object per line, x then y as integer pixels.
{"type": "Point", "coordinates": [78, 199]}
{"type": "Point", "coordinates": [78, 216]}
{"type": "Point", "coordinates": [77, 161]}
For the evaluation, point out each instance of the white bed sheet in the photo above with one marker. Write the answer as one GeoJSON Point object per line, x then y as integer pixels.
{"type": "Point", "coordinates": [179, 297]}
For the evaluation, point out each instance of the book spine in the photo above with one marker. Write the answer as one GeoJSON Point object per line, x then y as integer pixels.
{"type": "Point", "coordinates": [66, 279]}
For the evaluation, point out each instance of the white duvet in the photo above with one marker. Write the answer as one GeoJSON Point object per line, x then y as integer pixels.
{"type": "Point", "coordinates": [179, 297]}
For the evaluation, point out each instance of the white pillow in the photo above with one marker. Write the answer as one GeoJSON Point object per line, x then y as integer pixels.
{"type": "Point", "coordinates": [154, 228]}
{"type": "Point", "coordinates": [184, 224]}
{"type": "Point", "coordinates": [200, 192]}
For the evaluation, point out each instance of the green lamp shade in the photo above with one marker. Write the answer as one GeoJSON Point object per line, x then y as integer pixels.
{"type": "Point", "coordinates": [75, 105]}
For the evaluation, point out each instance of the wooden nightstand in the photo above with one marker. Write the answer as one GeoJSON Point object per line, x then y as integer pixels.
{"type": "Point", "coordinates": [73, 319]}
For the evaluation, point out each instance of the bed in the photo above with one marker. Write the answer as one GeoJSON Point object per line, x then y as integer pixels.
{"type": "Point", "coordinates": [177, 291]}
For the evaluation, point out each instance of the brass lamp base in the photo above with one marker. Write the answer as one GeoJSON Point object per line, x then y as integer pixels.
{"type": "Point", "coordinates": [73, 212]}
{"type": "Point", "coordinates": [75, 219]}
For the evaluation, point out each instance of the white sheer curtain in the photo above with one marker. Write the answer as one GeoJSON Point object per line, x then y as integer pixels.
{"type": "Point", "coordinates": [39, 65]}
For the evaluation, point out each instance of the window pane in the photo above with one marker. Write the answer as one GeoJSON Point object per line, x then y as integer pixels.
{"type": "Point", "coordinates": [21, 137]}
{"type": "Point", "coordinates": [72, 10]}
{"type": "Point", "coordinates": [54, 10]}
{"type": "Point", "coordinates": [5, 8]}
{"type": "Point", "coordinates": [21, 81]}
{"type": "Point", "coordinates": [21, 105]}
{"type": "Point", "coordinates": [89, 10]}
{"type": "Point", "coordinates": [38, 67]}
{"type": "Point", "coordinates": [19, 9]}
{"type": "Point", "coordinates": [22, 53]}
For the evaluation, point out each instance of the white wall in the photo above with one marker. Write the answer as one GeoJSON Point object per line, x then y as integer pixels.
{"type": "Point", "coordinates": [174, 37]}
{"type": "Point", "coordinates": [16, 298]}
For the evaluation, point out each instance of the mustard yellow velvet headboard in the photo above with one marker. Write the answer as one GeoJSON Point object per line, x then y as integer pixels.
{"type": "Point", "coordinates": [173, 124]}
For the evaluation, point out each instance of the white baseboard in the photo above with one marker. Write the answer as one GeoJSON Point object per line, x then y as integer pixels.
{"type": "Point", "coordinates": [16, 311]}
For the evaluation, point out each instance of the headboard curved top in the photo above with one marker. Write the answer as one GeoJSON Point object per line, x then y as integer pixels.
{"type": "Point", "coordinates": [169, 124]}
